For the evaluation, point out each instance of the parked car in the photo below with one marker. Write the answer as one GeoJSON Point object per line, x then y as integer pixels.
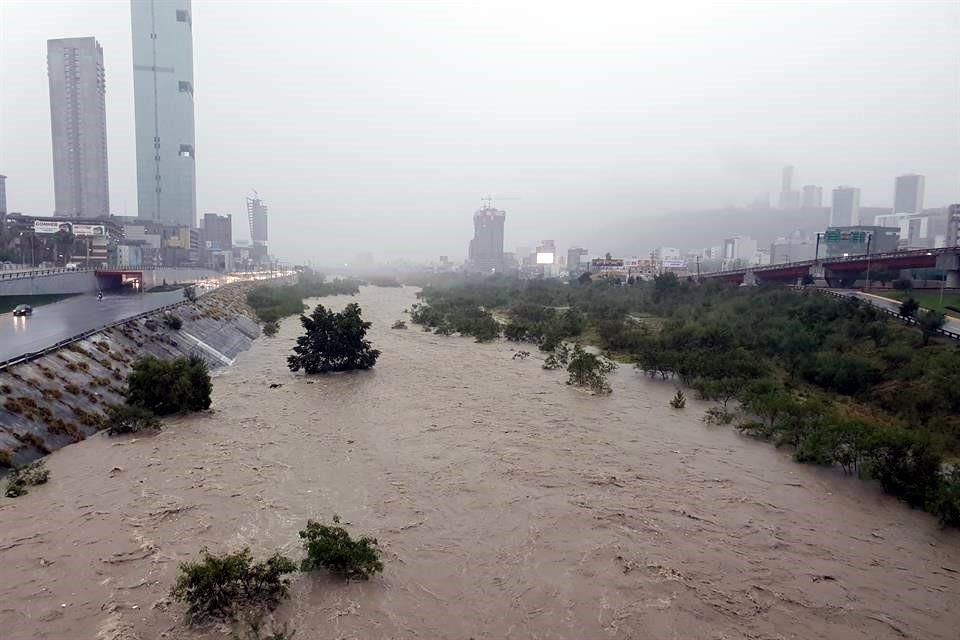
{"type": "Point", "coordinates": [23, 310]}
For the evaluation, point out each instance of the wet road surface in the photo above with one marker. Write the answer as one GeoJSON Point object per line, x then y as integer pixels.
{"type": "Point", "coordinates": [51, 323]}
{"type": "Point", "coordinates": [508, 505]}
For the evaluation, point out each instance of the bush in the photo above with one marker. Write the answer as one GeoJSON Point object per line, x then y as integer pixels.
{"type": "Point", "coordinates": [589, 370]}
{"type": "Point", "coordinates": [333, 342]}
{"type": "Point", "coordinates": [31, 475]}
{"type": "Point", "coordinates": [125, 418]}
{"type": "Point", "coordinates": [172, 322]}
{"type": "Point", "coordinates": [399, 324]}
{"type": "Point", "coordinates": [909, 468]}
{"type": "Point", "coordinates": [946, 505]}
{"type": "Point", "coordinates": [220, 587]}
{"type": "Point", "coordinates": [909, 307]}
{"type": "Point", "coordinates": [190, 293]}
{"type": "Point", "coordinates": [331, 547]}
{"type": "Point", "coordinates": [169, 386]}
{"type": "Point", "coordinates": [679, 401]}
{"type": "Point", "coordinates": [271, 328]}
{"type": "Point", "coordinates": [717, 415]}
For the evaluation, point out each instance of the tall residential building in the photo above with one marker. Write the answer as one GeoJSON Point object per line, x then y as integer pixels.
{"type": "Point", "coordinates": [3, 195]}
{"type": "Point", "coordinates": [163, 102]}
{"type": "Point", "coordinates": [789, 197]}
{"type": "Point", "coordinates": [812, 197]}
{"type": "Point", "coordinates": [486, 247]}
{"type": "Point", "coordinates": [908, 194]}
{"type": "Point", "coordinates": [845, 207]}
{"type": "Point", "coordinates": [78, 122]}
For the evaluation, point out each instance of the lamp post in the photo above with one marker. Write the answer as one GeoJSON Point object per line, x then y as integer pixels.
{"type": "Point", "coordinates": [869, 238]}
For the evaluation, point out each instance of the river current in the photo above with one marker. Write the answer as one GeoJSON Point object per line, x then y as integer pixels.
{"type": "Point", "coordinates": [507, 504]}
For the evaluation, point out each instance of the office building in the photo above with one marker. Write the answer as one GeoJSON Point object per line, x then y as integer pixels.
{"type": "Point", "coordinates": [78, 123]}
{"type": "Point", "coordinates": [953, 226]}
{"type": "Point", "coordinates": [789, 197]}
{"type": "Point", "coordinates": [163, 104]}
{"type": "Point", "coordinates": [574, 254]}
{"type": "Point", "coordinates": [3, 195]}
{"type": "Point", "coordinates": [217, 232]}
{"type": "Point", "coordinates": [908, 194]}
{"type": "Point", "coordinates": [257, 219]}
{"type": "Point", "coordinates": [812, 197]}
{"type": "Point", "coordinates": [845, 207]}
{"type": "Point", "coordinates": [485, 252]}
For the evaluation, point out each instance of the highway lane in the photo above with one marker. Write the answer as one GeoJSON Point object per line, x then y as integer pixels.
{"type": "Point", "coordinates": [52, 323]}
{"type": "Point", "coordinates": [952, 323]}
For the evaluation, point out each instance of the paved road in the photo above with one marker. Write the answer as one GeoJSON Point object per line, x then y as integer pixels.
{"type": "Point", "coordinates": [952, 323]}
{"type": "Point", "coordinates": [52, 323]}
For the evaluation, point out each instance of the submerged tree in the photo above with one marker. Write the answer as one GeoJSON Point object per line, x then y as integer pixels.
{"type": "Point", "coordinates": [589, 370]}
{"type": "Point", "coordinates": [333, 342]}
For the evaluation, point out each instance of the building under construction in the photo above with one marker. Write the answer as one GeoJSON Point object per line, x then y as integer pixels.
{"type": "Point", "coordinates": [257, 217]}
{"type": "Point", "coordinates": [486, 248]}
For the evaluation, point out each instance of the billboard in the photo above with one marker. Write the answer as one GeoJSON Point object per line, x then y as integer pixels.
{"type": "Point", "coordinates": [87, 230]}
{"type": "Point", "coordinates": [674, 264]}
{"type": "Point", "coordinates": [51, 226]}
{"type": "Point", "coordinates": [84, 230]}
{"type": "Point", "coordinates": [606, 262]}
{"type": "Point", "coordinates": [544, 257]}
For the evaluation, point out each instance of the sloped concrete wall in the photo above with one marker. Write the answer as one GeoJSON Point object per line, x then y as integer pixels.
{"type": "Point", "coordinates": [60, 398]}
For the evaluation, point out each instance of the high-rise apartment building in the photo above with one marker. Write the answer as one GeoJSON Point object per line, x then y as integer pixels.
{"type": "Point", "coordinates": [908, 194]}
{"type": "Point", "coordinates": [812, 197]}
{"type": "Point", "coordinates": [78, 122]}
{"type": "Point", "coordinates": [163, 102]}
{"type": "Point", "coordinates": [217, 232]}
{"type": "Point", "coordinates": [845, 207]}
{"type": "Point", "coordinates": [486, 248]}
{"type": "Point", "coordinates": [789, 197]}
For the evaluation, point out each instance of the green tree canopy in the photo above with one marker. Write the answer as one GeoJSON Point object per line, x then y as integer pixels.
{"type": "Point", "coordinates": [333, 342]}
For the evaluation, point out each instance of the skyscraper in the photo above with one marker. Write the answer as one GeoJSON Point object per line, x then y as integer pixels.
{"type": "Point", "coordinates": [812, 197]}
{"type": "Point", "coordinates": [486, 247]}
{"type": "Point", "coordinates": [789, 197]}
{"type": "Point", "coordinates": [163, 102]}
{"type": "Point", "coordinates": [78, 122]}
{"type": "Point", "coordinates": [3, 195]}
{"type": "Point", "coordinates": [908, 194]}
{"type": "Point", "coordinates": [845, 207]}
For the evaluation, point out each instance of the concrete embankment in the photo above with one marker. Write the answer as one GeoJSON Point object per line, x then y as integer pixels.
{"type": "Point", "coordinates": [60, 397]}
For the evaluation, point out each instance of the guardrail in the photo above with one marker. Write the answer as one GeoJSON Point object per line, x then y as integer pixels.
{"type": "Point", "coordinates": [909, 320]}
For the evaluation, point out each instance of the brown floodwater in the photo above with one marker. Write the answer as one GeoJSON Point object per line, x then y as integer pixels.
{"type": "Point", "coordinates": [508, 505]}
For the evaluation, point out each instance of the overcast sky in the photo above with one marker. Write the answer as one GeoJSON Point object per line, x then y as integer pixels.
{"type": "Point", "coordinates": [378, 126]}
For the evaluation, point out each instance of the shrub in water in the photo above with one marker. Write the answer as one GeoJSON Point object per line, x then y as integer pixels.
{"type": "Point", "coordinates": [399, 324]}
{"type": "Point", "coordinates": [172, 321]}
{"type": "Point", "coordinates": [679, 400]}
{"type": "Point", "coordinates": [270, 328]}
{"type": "Point", "coordinates": [169, 386]}
{"type": "Point", "coordinates": [332, 547]}
{"type": "Point", "coordinates": [125, 418]}
{"type": "Point", "coordinates": [33, 474]}
{"type": "Point", "coordinates": [589, 370]}
{"type": "Point", "coordinates": [220, 587]}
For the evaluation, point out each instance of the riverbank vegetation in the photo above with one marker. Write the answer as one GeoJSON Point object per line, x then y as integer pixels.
{"type": "Point", "coordinates": [31, 475]}
{"type": "Point", "coordinates": [836, 380]}
{"type": "Point", "coordinates": [164, 387]}
{"type": "Point", "coordinates": [273, 303]}
{"type": "Point", "coordinates": [333, 342]}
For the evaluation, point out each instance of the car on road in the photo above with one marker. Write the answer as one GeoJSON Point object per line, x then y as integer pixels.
{"type": "Point", "coordinates": [23, 310]}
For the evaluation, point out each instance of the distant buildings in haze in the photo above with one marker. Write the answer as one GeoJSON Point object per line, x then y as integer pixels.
{"type": "Point", "coordinates": [163, 105]}
{"type": "Point", "coordinates": [3, 195]}
{"type": "Point", "coordinates": [845, 207]}
{"type": "Point", "coordinates": [78, 123]}
{"type": "Point", "coordinates": [908, 194]}
{"type": "Point", "coordinates": [257, 219]}
{"type": "Point", "coordinates": [812, 197]}
{"type": "Point", "coordinates": [789, 196]}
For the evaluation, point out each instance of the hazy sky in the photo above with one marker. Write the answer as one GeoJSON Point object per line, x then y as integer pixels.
{"type": "Point", "coordinates": [379, 125]}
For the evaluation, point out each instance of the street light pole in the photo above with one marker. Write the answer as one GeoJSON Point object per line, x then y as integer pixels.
{"type": "Point", "coordinates": [869, 238]}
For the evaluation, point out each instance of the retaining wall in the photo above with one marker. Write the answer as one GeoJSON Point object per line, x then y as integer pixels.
{"type": "Point", "coordinates": [60, 397]}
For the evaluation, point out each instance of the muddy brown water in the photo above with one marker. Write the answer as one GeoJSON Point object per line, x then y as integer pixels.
{"type": "Point", "coordinates": [508, 505]}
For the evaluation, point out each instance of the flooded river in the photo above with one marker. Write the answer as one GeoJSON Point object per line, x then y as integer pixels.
{"type": "Point", "coordinates": [508, 506]}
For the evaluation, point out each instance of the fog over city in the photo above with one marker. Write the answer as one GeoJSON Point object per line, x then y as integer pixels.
{"type": "Point", "coordinates": [379, 126]}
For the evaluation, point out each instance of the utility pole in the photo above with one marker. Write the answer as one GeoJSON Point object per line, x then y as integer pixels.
{"type": "Point", "coordinates": [869, 238]}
